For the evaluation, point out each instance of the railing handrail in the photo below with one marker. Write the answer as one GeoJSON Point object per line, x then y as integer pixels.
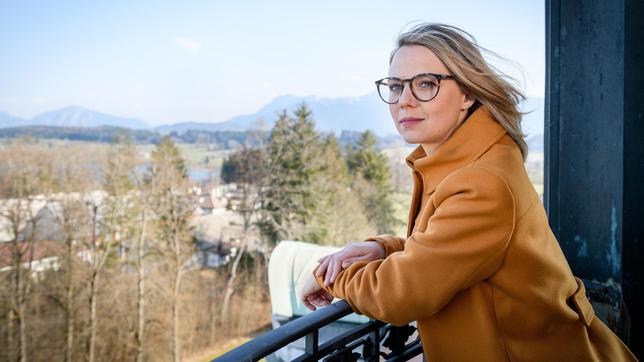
{"type": "Point", "coordinates": [275, 339]}
{"type": "Point", "coordinates": [368, 336]}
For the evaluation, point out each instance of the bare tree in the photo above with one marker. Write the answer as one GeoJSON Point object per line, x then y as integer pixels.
{"type": "Point", "coordinates": [172, 206]}
{"type": "Point", "coordinates": [72, 216]}
{"type": "Point", "coordinates": [111, 225]}
{"type": "Point", "coordinates": [98, 255]}
{"type": "Point", "coordinates": [116, 250]}
{"type": "Point", "coordinates": [26, 174]}
{"type": "Point", "coordinates": [141, 250]}
{"type": "Point", "coordinates": [18, 213]}
{"type": "Point", "coordinates": [247, 169]}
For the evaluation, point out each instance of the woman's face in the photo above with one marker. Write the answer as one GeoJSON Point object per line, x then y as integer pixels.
{"type": "Point", "coordinates": [426, 123]}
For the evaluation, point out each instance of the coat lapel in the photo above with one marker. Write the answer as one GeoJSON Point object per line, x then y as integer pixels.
{"type": "Point", "coordinates": [475, 136]}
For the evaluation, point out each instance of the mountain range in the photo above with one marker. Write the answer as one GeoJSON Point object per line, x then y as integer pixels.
{"type": "Point", "coordinates": [73, 116]}
{"type": "Point", "coordinates": [330, 114]}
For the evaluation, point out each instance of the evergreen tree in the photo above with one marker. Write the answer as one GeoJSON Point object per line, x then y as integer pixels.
{"type": "Point", "coordinates": [293, 153]}
{"type": "Point", "coordinates": [366, 160]}
{"type": "Point", "coordinates": [337, 217]}
{"type": "Point", "coordinates": [246, 166]}
{"type": "Point", "coordinates": [167, 160]}
{"type": "Point", "coordinates": [121, 162]}
{"type": "Point", "coordinates": [372, 182]}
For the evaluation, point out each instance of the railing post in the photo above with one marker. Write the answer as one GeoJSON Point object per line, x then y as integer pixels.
{"type": "Point", "coordinates": [311, 343]}
{"type": "Point", "coordinates": [371, 349]}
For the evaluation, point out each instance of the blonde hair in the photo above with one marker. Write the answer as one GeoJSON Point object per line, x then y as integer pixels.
{"type": "Point", "coordinates": [460, 53]}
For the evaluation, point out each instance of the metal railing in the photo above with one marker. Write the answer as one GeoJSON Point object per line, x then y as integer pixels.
{"type": "Point", "coordinates": [372, 336]}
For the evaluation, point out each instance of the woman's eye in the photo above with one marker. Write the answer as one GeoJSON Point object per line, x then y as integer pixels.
{"type": "Point", "coordinates": [395, 87]}
{"type": "Point", "coordinates": [427, 84]}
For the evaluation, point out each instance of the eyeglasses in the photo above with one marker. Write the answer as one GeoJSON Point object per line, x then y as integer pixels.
{"type": "Point", "coordinates": [423, 86]}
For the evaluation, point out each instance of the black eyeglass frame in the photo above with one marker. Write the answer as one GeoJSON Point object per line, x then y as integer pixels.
{"type": "Point", "coordinates": [438, 77]}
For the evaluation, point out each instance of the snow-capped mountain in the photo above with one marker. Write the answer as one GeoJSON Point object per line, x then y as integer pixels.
{"type": "Point", "coordinates": [7, 120]}
{"type": "Point", "coordinates": [74, 116]}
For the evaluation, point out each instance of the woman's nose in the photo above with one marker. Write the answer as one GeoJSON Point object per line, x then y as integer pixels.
{"type": "Point", "coordinates": [407, 97]}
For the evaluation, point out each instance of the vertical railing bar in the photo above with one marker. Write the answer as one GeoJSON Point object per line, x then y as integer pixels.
{"type": "Point", "coordinates": [311, 343]}
{"type": "Point", "coordinates": [340, 341]}
{"type": "Point", "coordinates": [373, 354]}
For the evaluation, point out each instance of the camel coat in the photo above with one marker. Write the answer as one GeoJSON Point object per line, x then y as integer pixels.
{"type": "Point", "coordinates": [480, 269]}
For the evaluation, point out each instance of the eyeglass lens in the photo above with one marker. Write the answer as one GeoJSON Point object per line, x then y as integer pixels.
{"type": "Point", "coordinates": [423, 87]}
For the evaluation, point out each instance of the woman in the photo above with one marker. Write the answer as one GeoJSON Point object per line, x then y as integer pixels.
{"type": "Point", "coordinates": [480, 269]}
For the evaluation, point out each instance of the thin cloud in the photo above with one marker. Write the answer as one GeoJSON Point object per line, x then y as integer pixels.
{"type": "Point", "coordinates": [187, 43]}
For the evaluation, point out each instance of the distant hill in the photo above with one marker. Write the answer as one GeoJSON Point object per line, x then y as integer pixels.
{"type": "Point", "coordinates": [338, 114]}
{"type": "Point", "coordinates": [7, 120]}
{"type": "Point", "coordinates": [74, 116]}
{"type": "Point", "coordinates": [330, 115]}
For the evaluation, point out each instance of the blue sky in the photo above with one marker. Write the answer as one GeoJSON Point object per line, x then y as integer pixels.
{"type": "Point", "coordinates": [206, 61]}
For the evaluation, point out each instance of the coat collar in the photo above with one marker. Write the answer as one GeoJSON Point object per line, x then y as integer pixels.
{"type": "Point", "coordinates": [475, 136]}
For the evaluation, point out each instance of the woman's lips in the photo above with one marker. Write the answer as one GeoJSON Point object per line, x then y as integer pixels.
{"type": "Point", "coordinates": [408, 121]}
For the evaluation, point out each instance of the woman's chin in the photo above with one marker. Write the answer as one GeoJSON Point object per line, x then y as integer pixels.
{"type": "Point", "coordinates": [411, 139]}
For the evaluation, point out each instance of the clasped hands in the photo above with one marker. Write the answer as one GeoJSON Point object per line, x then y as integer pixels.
{"type": "Point", "coordinates": [331, 265]}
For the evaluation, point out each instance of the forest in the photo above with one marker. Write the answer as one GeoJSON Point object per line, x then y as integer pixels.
{"type": "Point", "coordinates": [98, 254]}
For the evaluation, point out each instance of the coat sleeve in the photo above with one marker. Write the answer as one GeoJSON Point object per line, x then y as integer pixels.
{"type": "Point", "coordinates": [464, 243]}
{"type": "Point", "coordinates": [389, 243]}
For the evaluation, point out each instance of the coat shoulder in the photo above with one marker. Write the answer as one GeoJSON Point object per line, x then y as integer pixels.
{"type": "Point", "coordinates": [504, 157]}
{"type": "Point", "coordinates": [481, 182]}
{"type": "Point", "coordinates": [505, 160]}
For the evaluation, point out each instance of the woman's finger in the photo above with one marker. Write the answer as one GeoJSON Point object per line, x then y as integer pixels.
{"type": "Point", "coordinates": [328, 297]}
{"type": "Point", "coordinates": [347, 262]}
{"type": "Point", "coordinates": [329, 272]}
{"type": "Point", "coordinates": [323, 259]}
{"type": "Point", "coordinates": [319, 301]}
{"type": "Point", "coordinates": [308, 304]}
{"type": "Point", "coordinates": [315, 298]}
{"type": "Point", "coordinates": [323, 267]}
{"type": "Point", "coordinates": [337, 267]}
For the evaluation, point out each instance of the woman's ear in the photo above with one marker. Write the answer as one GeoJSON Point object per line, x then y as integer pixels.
{"type": "Point", "coordinates": [468, 101]}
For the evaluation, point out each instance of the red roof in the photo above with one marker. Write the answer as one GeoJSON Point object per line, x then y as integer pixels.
{"type": "Point", "coordinates": [40, 250]}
